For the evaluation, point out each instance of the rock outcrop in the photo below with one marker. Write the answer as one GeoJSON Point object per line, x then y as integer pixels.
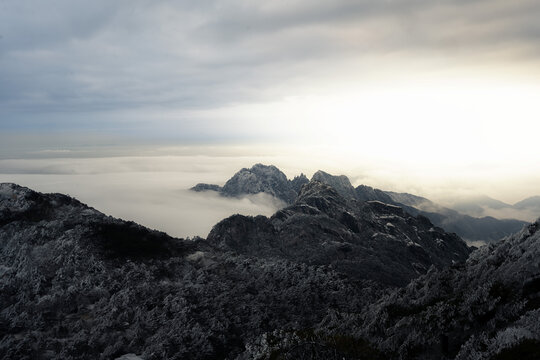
{"type": "Point", "coordinates": [364, 240]}
{"type": "Point", "coordinates": [270, 180]}
{"type": "Point", "coordinates": [258, 179]}
{"type": "Point", "coordinates": [488, 307]}
{"type": "Point", "coordinates": [325, 278]}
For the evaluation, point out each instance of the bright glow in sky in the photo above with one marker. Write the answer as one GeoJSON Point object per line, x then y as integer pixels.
{"type": "Point", "coordinates": [432, 124]}
{"type": "Point", "coordinates": [437, 122]}
{"type": "Point", "coordinates": [434, 97]}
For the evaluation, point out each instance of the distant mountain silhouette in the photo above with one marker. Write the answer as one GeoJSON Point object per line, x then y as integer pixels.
{"type": "Point", "coordinates": [532, 202]}
{"type": "Point", "coordinates": [475, 206]}
{"type": "Point", "coordinates": [526, 209]}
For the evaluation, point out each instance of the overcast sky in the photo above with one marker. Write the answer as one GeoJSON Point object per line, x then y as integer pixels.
{"type": "Point", "coordinates": [134, 64]}
{"type": "Point", "coordinates": [412, 83]}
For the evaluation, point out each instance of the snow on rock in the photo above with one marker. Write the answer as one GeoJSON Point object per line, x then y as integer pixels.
{"type": "Point", "coordinates": [270, 180]}
{"type": "Point", "coordinates": [77, 284]}
{"type": "Point", "coordinates": [487, 307]}
{"type": "Point", "coordinates": [259, 179]}
{"type": "Point", "coordinates": [129, 357]}
{"type": "Point", "coordinates": [312, 228]}
{"type": "Point", "coordinates": [308, 282]}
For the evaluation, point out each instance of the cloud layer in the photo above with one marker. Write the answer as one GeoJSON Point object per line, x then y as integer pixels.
{"type": "Point", "coordinates": [151, 186]}
{"type": "Point", "coordinates": [137, 66]}
{"type": "Point", "coordinates": [152, 191]}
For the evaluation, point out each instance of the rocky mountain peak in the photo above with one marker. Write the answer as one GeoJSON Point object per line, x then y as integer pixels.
{"type": "Point", "coordinates": [320, 195]}
{"type": "Point", "coordinates": [260, 178]}
{"type": "Point", "coordinates": [367, 193]}
{"type": "Point", "coordinates": [359, 239]}
{"type": "Point", "coordinates": [340, 183]}
{"type": "Point", "coordinates": [21, 203]}
{"type": "Point", "coordinates": [344, 187]}
{"type": "Point", "coordinates": [270, 180]}
{"type": "Point", "coordinates": [298, 182]}
{"type": "Point", "coordinates": [14, 198]}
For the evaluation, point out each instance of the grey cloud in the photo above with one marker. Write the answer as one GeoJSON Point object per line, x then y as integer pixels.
{"type": "Point", "coordinates": [417, 19]}
{"type": "Point", "coordinates": [65, 56]}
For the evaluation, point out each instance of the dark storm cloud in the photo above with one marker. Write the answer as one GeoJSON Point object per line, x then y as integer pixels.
{"type": "Point", "coordinates": [97, 56]}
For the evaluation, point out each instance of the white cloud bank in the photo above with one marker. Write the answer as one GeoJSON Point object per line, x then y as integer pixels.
{"type": "Point", "coordinates": [150, 186]}
{"type": "Point", "coordinates": [152, 191]}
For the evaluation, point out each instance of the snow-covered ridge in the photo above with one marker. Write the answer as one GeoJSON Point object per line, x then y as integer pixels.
{"type": "Point", "coordinates": [309, 281]}
{"type": "Point", "coordinates": [269, 179]}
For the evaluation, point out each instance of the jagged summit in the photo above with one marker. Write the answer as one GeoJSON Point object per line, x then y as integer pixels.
{"type": "Point", "coordinates": [260, 178]}
{"type": "Point", "coordinates": [367, 193]}
{"type": "Point", "coordinates": [269, 179]}
{"type": "Point", "coordinates": [343, 186]}
{"type": "Point", "coordinates": [340, 183]}
{"type": "Point", "coordinates": [298, 181]}
{"type": "Point", "coordinates": [320, 195]}
{"type": "Point", "coordinates": [363, 240]}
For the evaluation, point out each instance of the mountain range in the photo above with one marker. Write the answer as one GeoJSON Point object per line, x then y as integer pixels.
{"type": "Point", "coordinates": [270, 180]}
{"type": "Point", "coordinates": [481, 205]}
{"type": "Point", "coordinates": [327, 277]}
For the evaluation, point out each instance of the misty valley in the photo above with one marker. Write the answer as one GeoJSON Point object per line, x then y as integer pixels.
{"type": "Point", "coordinates": [336, 272]}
